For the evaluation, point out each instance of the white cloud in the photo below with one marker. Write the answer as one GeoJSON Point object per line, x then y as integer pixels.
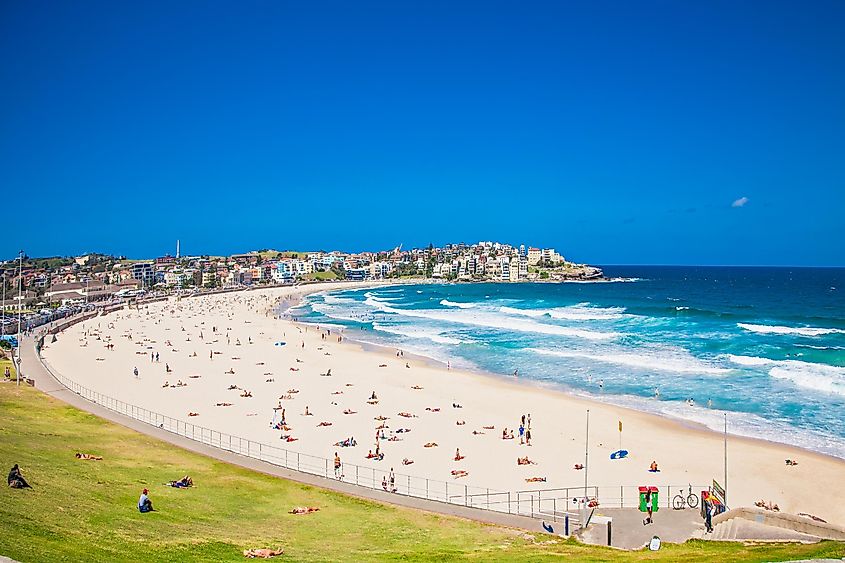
{"type": "Point", "coordinates": [740, 202]}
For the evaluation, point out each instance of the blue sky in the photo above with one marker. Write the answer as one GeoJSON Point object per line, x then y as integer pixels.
{"type": "Point", "coordinates": [617, 132]}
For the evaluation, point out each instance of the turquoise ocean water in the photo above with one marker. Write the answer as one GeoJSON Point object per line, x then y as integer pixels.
{"type": "Point", "coordinates": [766, 345]}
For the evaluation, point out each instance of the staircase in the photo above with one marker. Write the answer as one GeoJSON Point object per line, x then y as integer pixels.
{"type": "Point", "coordinates": [753, 524]}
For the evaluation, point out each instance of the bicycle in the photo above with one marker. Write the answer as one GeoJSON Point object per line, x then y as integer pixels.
{"type": "Point", "coordinates": [679, 501]}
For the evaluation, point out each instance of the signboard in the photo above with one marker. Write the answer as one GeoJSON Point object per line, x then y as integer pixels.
{"type": "Point", "coordinates": [718, 492]}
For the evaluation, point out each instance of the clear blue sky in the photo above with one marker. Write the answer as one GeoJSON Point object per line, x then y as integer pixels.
{"type": "Point", "coordinates": [617, 132]}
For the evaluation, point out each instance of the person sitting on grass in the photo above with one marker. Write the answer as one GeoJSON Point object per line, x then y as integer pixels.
{"type": "Point", "coordinates": [144, 502]}
{"type": "Point", "coordinates": [16, 480]}
{"type": "Point", "coordinates": [88, 456]}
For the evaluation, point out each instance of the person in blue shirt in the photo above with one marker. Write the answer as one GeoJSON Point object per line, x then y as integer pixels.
{"type": "Point", "coordinates": [144, 502]}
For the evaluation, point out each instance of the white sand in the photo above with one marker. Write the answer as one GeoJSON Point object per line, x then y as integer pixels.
{"type": "Point", "coordinates": [685, 454]}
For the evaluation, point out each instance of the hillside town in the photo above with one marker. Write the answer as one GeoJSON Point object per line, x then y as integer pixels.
{"type": "Point", "coordinates": [33, 284]}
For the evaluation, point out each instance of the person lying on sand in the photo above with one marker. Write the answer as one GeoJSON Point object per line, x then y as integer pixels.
{"type": "Point", "coordinates": [407, 415]}
{"type": "Point", "coordinates": [402, 430]}
{"type": "Point", "coordinates": [166, 384]}
{"type": "Point", "coordinates": [525, 461]}
{"type": "Point", "coordinates": [230, 372]}
{"type": "Point", "coordinates": [458, 456]}
{"type": "Point", "coordinates": [232, 387]}
{"type": "Point", "coordinates": [269, 380]}
{"type": "Point", "coordinates": [460, 422]}
{"type": "Point", "coordinates": [458, 473]}
{"type": "Point", "coordinates": [791, 462]}
{"type": "Point", "coordinates": [535, 480]}
{"type": "Point", "coordinates": [324, 423]}
{"type": "Point", "coordinates": [224, 404]}
{"type": "Point", "coordinates": [246, 394]}
{"type": "Point", "coordinates": [372, 402]}
{"type": "Point", "coordinates": [417, 387]}
{"type": "Point", "coordinates": [194, 376]}
{"type": "Point", "coordinates": [349, 411]}
{"type": "Point", "coordinates": [193, 414]}
{"type": "Point", "coordinates": [262, 553]}
{"type": "Point", "coordinates": [288, 438]}
{"type": "Point", "coordinates": [407, 461]}
{"type": "Point", "coordinates": [477, 433]}
{"type": "Point", "coordinates": [293, 369]}
{"type": "Point", "coordinates": [88, 456]}
{"type": "Point", "coordinates": [293, 391]}
{"type": "Point", "coordinates": [304, 510]}
{"type": "Point", "coordinates": [578, 466]}
{"type": "Point", "coordinates": [337, 392]}
{"type": "Point", "coordinates": [430, 445]}
{"type": "Point", "coordinates": [429, 409]}
{"type": "Point", "coordinates": [382, 365]}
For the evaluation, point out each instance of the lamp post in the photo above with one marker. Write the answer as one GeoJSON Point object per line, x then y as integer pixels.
{"type": "Point", "coordinates": [726, 460]}
{"type": "Point", "coordinates": [20, 310]}
{"type": "Point", "coordinates": [586, 457]}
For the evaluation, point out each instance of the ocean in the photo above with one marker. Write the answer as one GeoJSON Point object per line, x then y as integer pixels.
{"type": "Point", "coordinates": [764, 345]}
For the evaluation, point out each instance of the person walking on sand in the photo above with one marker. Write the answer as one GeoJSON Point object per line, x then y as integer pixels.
{"type": "Point", "coordinates": [528, 437]}
{"type": "Point", "coordinates": [135, 371]}
{"type": "Point", "coordinates": [337, 466]}
{"type": "Point", "coordinates": [521, 434]}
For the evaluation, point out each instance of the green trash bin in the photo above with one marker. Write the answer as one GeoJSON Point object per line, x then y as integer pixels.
{"type": "Point", "coordinates": [654, 497]}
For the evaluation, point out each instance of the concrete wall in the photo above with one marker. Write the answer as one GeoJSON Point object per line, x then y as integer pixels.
{"type": "Point", "coordinates": [787, 521]}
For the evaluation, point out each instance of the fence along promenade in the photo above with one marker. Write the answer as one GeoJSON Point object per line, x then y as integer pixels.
{"type": "Point", "coordinates": [565, 505]}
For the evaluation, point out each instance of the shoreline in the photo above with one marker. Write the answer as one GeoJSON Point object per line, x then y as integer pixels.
{"type": "Point", "coordinates": [384, 348]}
{"type": "Point", "coordinates": [686, 452]}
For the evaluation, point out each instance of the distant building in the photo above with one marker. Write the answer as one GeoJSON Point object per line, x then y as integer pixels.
{"type": "Point", "coordinates": [144, 272]}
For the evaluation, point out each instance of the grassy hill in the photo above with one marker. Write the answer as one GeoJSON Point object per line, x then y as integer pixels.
{"type": "Point", "coordinates": [85, 510]}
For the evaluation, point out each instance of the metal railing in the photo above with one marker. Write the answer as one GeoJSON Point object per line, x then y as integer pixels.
{"type": "Point", "coordinates": [568, 505]}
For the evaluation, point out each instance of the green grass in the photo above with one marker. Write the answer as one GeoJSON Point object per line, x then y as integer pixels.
{"type": "Point", "coordinates": [322, 276]}
{"type": "Point", "coordinates": [85, 510]}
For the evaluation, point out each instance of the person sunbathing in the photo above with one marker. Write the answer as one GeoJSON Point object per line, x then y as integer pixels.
{"type": "Point", "coordinates": [506, 435]}
{"type": "Point", "coordinates": [791, 462]}
{"type": "Point", "coordinates": [456, 406]}
{"type": "Point", "coordinates": [230, 372]}
{"type": "Point", "coordinates": [293, 369]}
{"type": "Point", "coordinates": [293, 391]}
{"type": "Point", "coordinates": [287, 438]}
{"type": "Point", "coordinates": [457, 473]}
{"type": "Point", "coordinates": [488, 427]}
{"type": "Point", "coordinates": [324, 423]}
{"type": "Point", "coordinates": [430, 445]}
{"type": "Point", "coordinates": [246, 394]}
{"type": "Point", "coordinates": [224, 404]}
{"type": "Point", "coordinates": [476, 433]}
{"type": "Point", "coordinates": [182, 483]}
{"type": "Point", "coordinates": [653, 467]}
{"type": "Point", "coordinates": [394, 439]}
{"type": "Point", "coordinates": [382, 365]}
{"type": "Point", "coordinates": [524, 461]}
{"type": "Point", "coordinates": [417, 387]}
{"type": "Point", "coordinates": [304, 510]}
{"type": "Point", "coordinates": [380, 417]}
{"type": "Point", "coordinates": [372, 402]}
{"type": "Point", "coordinates": [370, 454]}
{"type": "Point", "coordinates": [194, 376]}
{"type": "Point", "coordinates": [458, 456]}
{"type": "Point", "coordinates": [166, 384]}
{"type": "Point", "coordinates": [262, 553]}
{"type": "Point", "coordinates": [337, 392]}
{"type": "Point", "coordinates": [269, 380]}
{"type": "Point", "coordinates": [460, 422]}
{"type": "Point", "coordinates": [406, 414]}
{"type": "Point", "coordinates": [578, 466]}
{"type": "Point", "coordinates": [232, 387]}
{"type": "Point", "coordinates": [88, 456]}
{"type": "Point", "coordinates": [407, 461]}
{"type": "Point", "coordinates": [193, 414]}
{"type": "Point", "coordinates": [535, 480]}
{"type": "Point", "coordinates": [432, 409]}
{"type": "Point", "coordinates": [349, 411]}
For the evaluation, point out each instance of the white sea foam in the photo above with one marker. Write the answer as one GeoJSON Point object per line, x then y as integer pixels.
{"type": "Point", "coordinates": [334, 300]}
{"type": "Point", "coordinates": [492, 320]}
{"type": "Point", "coordinates": [818, 377]}
{"type": "Point", "coordinates": [447, 303]}
{"type": "Point", "coordinates": [580, 312]}
{"type": "Point", "coordinates": [418, 332]}
{"type": "Point", "coordinates": [801, 331]}
{"type": "Point", "coordinates": [676, 361]}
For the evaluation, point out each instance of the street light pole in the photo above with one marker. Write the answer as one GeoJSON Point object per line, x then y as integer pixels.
{"type": "Point", "coordinates": [726, 460]}
{"type": "Point", "coordinates": [20, 310]}
{"type": "Point", "coordinates": [586, 457]}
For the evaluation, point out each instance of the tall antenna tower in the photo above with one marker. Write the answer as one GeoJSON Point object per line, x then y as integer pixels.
{"type": "Point", "coordinates": [177, 249]}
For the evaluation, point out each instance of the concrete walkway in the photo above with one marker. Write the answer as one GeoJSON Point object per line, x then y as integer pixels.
{"type": "Point", "coordinates": [628, 531]}
{"type": "Point", "coordinates": [44, 381]}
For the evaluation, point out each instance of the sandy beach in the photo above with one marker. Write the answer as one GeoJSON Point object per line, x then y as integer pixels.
{"type": "Point", "coordinates": [236, 376]}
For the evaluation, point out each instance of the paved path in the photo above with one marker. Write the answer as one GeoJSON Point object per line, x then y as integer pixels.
{"type": "Point", "coordinates": [628, 531]}
{"type": "Point", "coordinates": [44, 381]}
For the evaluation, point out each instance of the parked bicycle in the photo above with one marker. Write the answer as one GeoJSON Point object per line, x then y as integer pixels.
{"type": "Point", "coordinates": [680, 501]}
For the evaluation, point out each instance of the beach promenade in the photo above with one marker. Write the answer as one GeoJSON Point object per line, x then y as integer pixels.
{"type": "Point", "coordinates": [223, 349]}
